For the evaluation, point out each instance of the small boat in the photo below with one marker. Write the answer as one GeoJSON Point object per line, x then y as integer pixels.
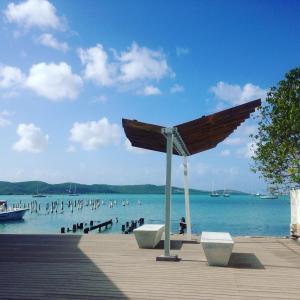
{"type": "Point", "coordinates": [38, 195]}
{"type": "Point", "coordinates": [225, 194]}
{"type": "Point", "coordinates": [70, 190]}
{"type": "Point", "coordinates": [9, 214]}
{"type": "Point", "coordinates": [268, 197]}
{"type": "Point", "coordinates": [214, 194]}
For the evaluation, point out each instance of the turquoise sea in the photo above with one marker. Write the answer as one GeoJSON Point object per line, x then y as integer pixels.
{"type": "Point", "coordinates": [239, 215]}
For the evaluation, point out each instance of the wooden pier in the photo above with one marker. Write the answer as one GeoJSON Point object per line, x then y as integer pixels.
{"type": "Point", "coordinates": [113, 267]}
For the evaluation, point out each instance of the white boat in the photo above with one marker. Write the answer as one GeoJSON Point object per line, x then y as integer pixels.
{"type": "Point", "coordinates": [268, 197]}
{"type": "Point", "coordinates": [213, 192]}
{"type": "Point", "coordinates": [225, 194]}
{"type": "Point", "coordinates": [9, 214]}
{"type": "Point", "coordinates": [70, 190]}
{"type": "Point", "coordinates": [38, 195]}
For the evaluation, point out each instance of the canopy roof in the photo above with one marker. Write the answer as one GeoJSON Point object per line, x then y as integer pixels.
{"type": "Point", "coordinates": [198, 135]}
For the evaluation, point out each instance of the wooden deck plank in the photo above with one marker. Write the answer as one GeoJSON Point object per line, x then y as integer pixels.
{"type": "Point", "coordinates": [113, 267]}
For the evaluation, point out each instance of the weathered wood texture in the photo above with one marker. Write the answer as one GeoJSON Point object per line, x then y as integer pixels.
{"type": "Point", "coordinates": [112, 266]}
{"type": "Point", "coordinates": [198, 135]}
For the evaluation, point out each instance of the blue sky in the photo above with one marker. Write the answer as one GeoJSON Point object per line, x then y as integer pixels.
{"type": "Point", "coordinates": [70, 70]}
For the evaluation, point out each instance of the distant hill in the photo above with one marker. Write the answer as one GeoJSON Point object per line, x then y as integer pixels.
{"type": "Point", "coordinates": [30, 188]}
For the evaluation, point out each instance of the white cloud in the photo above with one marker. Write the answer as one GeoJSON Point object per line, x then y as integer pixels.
{"type": "Point", "coordinates": [32, 139]}
{"type": "Point", "coordinates": [132, 149]}
{"type": "Point", "coordinates": [10, 77]}
{"type": "Point", "coordinates": [97, 67]}
{"type": "Point", "coordinates": [95, 134]}
{"type": "Point", "coordinates": [100, 99]}
{"type": "Point", "coordinates": [34, 13]}
{"type": "Point", "coordinates": [141, 63]}
{"type": "Point", "coordinates": [150, 90]}
{"type": "Point", "coordinates": [235, 94]}
{"type": "Point", "coordinates": [71, 149]}
{"type": "Point", "coordinates": [234, 141]}
{"type": "Point", "coordinates": [176, 88]}
{"type": "Point", "coordinates": [180, 51]}
{"type": "Point", "coordinates": [248, 151]}
{"type": "Point", "coordinates": [4, 118]}
{"type": "Point", "coordinates": [225, 152]}
{"type": "Point", "coordinates": [54, 81]}
{"type": "Point", "coordinates": [48, 40]}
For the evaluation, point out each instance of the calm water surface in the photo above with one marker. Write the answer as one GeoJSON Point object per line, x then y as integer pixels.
{"type": "Point", "coordinates": [239, 215]}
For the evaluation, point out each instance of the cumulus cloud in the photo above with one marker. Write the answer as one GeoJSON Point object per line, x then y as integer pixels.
{"type": "Point", "coordinates": [150, 90]}
{"type": "Point", "coordinates": [4, 118]}
{"type": "Point", "coordinates": [234, 141]}
{"type": "Point", "coordinates": [32, 139]}
{"type": "Point", "coordinates": [97, 67]}
{"type": "Point", "coordinates": [54, 81]}
{"type": "Point", "coordinates": [248, 151]}
{"type": "Point", "coordinates": [235, 94]}
{"type": "Point", "coordinates": [48, 40]}
{"type": "Point", "coordinates": [132, 149]}
{"type": "Point", "coordinates": [241, 139]}
{"type": "Point", "coordinates": [134, 66]}
{"type": "Point", "coordinates": [33, 13]}
{"type": "Point", "coordinates": [95, 134]}
{"type": "Point", "coordinates": [71, 149]}
{"type": "Point", "coordinates": [10, 77]}
{"type": "Point", "coordinates": [140, 63]}
{"type": "Point", "coordinates": [180, 51]}
{"type": "Point", "coordinates": [225, 152]}
{"type": "Point", "coordinates": [176, 88]}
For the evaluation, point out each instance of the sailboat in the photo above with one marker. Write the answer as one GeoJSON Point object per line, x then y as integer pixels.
{"type": "Point", "coordinates": [70, 190]}
{"type": "Point", "coordinates": [38, 195]}
{"type": "Point", "coordinates": [225, 194]}
{"type": "Point", "coordinates": [214, 193]}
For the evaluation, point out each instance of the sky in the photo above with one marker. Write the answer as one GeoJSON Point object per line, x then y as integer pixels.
{"type": "Point", "coordinates": [71, 70]}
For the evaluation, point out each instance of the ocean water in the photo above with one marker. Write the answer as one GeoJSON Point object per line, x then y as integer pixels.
{"type": "Point", "coordinates": [239, 215]}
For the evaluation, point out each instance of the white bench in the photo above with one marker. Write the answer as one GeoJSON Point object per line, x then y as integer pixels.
{"type": "Point", "coordinates": [217, 247]}
{"type": "Point", "coordinates": [149, 235]}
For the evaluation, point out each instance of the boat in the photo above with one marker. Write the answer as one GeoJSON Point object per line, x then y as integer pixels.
{"type": "Point", "coordinates": [70, 190]}
{"type": "Point", "coordinates": [10, 214]}
{"type": "Point", "coordinates": [38, 195]}
{"type": "Point", "coordinates": [268, 197]}
{"type": "Point", "coordinates": [214, 193]}
{"type": "Point", "coordinates": [225, 194]}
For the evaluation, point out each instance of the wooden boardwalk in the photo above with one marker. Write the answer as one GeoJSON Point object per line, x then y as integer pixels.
{"type": "Point", "coordinates": [112, 266]}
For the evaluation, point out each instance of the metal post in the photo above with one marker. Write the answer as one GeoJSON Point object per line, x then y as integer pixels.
{"type": "Point", "coordinates": [168, 192]}
{"type": "Point", "coordinates": [169, 136]}
{"type": "Point", "coordinates": [187, 200]}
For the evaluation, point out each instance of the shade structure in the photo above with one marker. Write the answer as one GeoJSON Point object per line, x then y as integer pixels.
{"type": "Point", "coordinates": [198, 135]}
{"type": "Point", "coordinates": [185, 139]}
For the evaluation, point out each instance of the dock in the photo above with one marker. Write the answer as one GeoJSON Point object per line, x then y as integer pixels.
{"type": "Point", "coordinates": [111, 266]}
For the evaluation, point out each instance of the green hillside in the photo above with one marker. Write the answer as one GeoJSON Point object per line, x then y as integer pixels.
{"type": "Point", "coordinates": [30, 188]}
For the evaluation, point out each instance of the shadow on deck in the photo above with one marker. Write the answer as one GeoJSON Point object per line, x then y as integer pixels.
{"type": "Point", "coordinates": [50, 267]}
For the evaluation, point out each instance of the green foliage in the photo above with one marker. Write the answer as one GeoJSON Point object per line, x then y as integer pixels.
{"type": "Point", "coordinates": [30, 188]}
{"type": "Point", "coordinates": [277, 156]}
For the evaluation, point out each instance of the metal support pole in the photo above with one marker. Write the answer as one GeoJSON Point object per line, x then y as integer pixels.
{"type": "Point", "coordinates": [187, 200]}
{"type": "Point", "coordinates": [169, 135]}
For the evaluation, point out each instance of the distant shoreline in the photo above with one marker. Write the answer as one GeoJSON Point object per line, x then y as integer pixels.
{"type": "Point", "coordinates": [31, 187]}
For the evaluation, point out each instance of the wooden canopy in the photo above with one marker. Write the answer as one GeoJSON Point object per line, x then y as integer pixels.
{"type": "Point", "coordinates": [198, 135]}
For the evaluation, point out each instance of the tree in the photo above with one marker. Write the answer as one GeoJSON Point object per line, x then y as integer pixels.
{"type": "Point", "coordinates": [277, 153]}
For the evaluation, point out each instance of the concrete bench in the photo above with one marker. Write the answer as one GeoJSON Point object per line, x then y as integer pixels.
{"type": "Point", "coordinates": [217, 247]}
{"type": "Point", "coordinates": [149, 235]}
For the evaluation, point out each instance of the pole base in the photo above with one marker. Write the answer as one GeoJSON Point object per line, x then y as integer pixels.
{"type": "Point", "coordinates": [168, 258]}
